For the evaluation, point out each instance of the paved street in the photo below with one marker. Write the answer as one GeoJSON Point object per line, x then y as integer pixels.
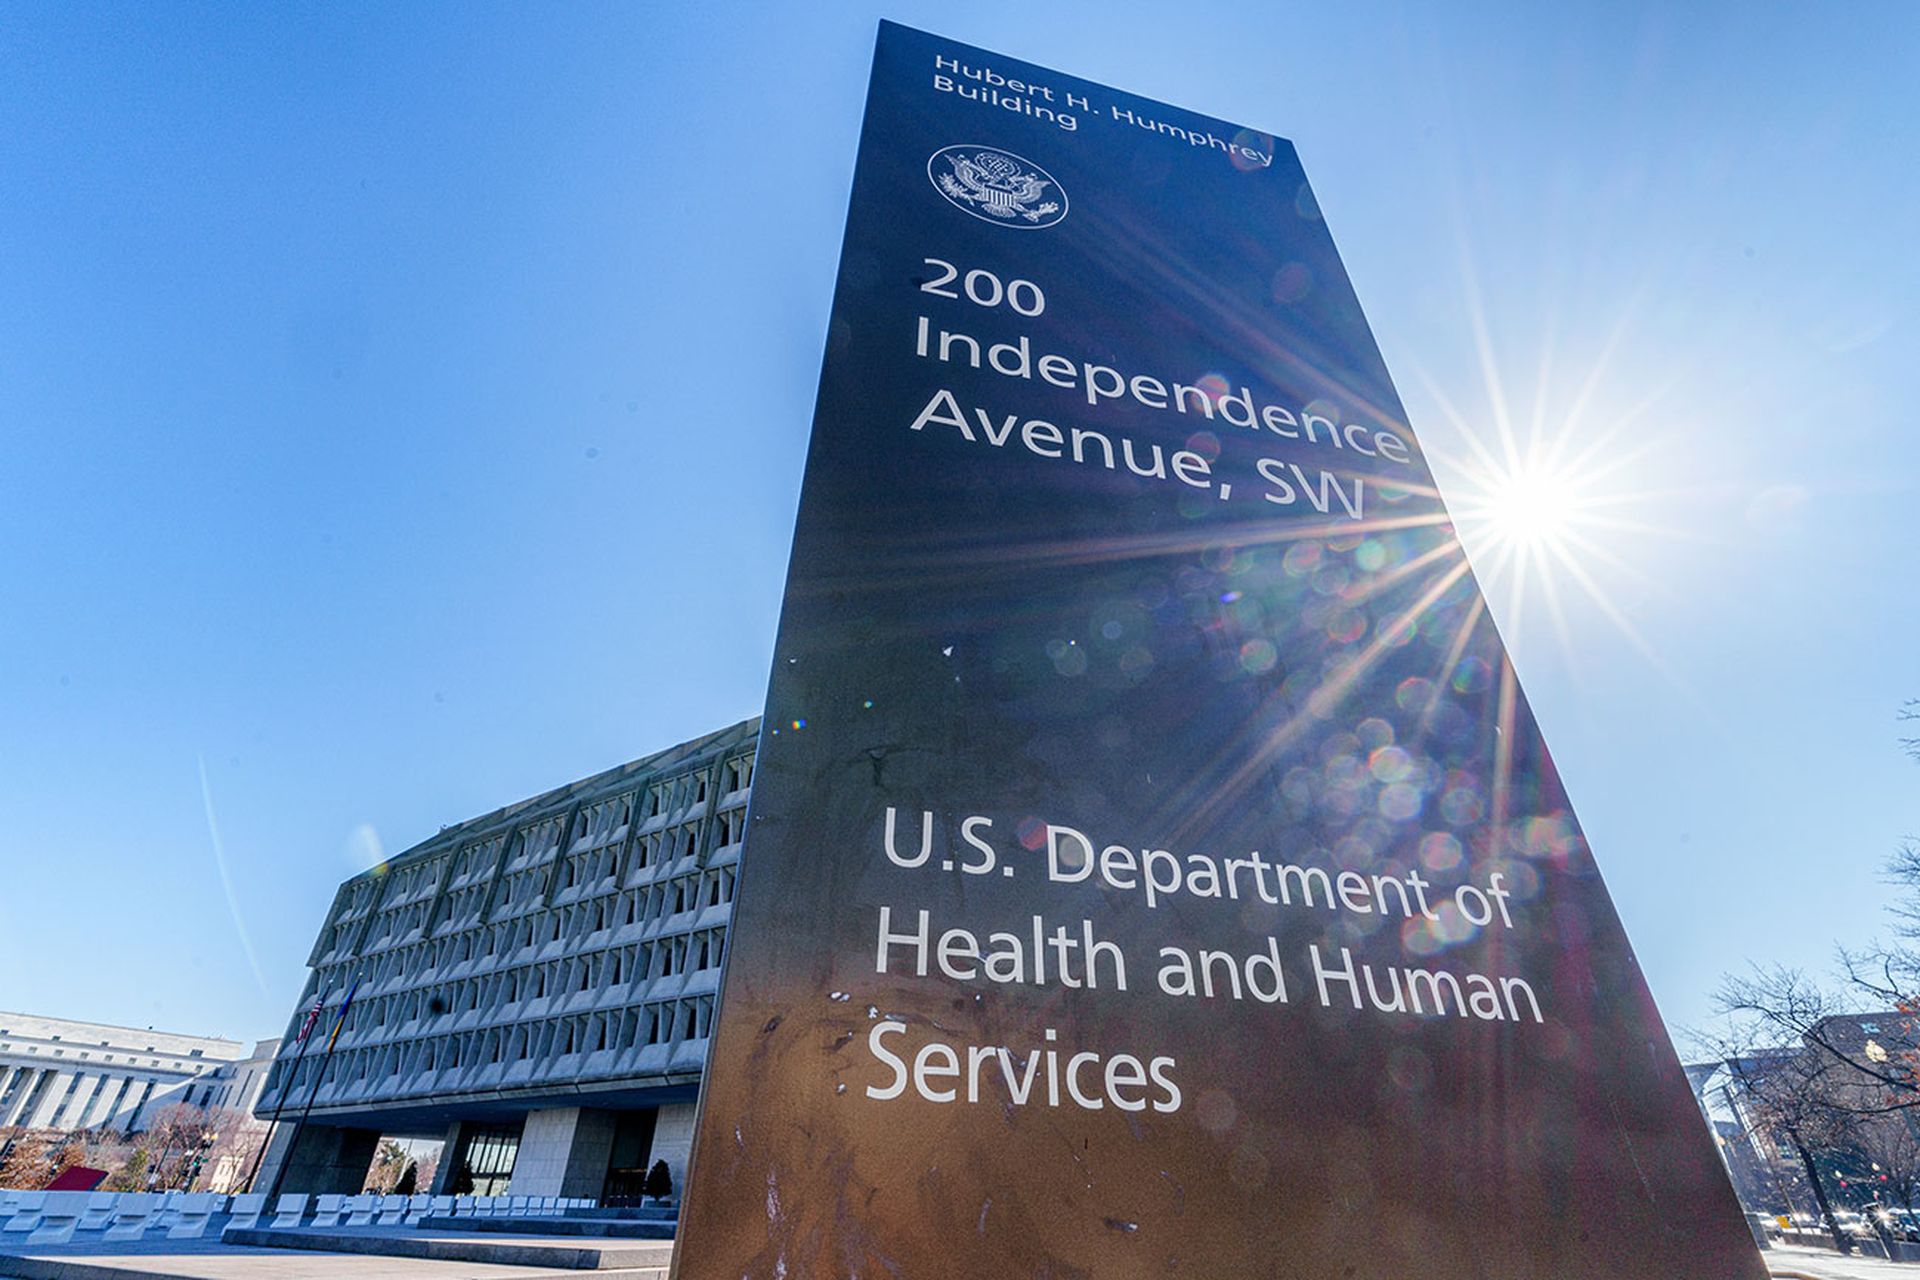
{"type": "Point", "coordinates": [1825, 1264]}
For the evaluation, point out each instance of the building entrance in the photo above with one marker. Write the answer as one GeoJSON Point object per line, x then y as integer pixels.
{"type": "Point", "coordinates": [486, 1156]}
{"type": "Point", "coordinates": [627, 1166]}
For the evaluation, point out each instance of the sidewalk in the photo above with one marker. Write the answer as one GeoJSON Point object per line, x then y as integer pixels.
{"type": "Point", "coordinates": [360, 1256]}
{"type": "Point", "coordinates": [1825, 1264]}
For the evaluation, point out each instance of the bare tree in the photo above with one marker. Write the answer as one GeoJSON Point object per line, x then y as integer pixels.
{"type": "Point", "coordinates": [1867, 1025]}
{"type": "Point", "coordinates": [429, 1169]}
{"type": "Point", "coordinates": [1867, 1063]}
{"type": "Point", "coordinates": [1785, 1092]}
{"type": "Point", "coordinates": [175, 1146]}
{"type": "Point", "coordinates": [1892, 1146]}
{"type": "Point", "coordinates": [389, 1162]}
{"type": "Point", "coordinates": [25, 1166]}
{"type": "Point", "coordinates": [237, 1140]}
{"type": "Point", "coordinates": [1836, 1067]}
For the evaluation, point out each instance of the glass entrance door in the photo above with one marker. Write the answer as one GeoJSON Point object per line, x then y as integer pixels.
{"type": "Point", "coordinates": [487, 1153]}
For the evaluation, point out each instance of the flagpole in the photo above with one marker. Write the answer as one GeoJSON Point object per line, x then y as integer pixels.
{"type": "Point", "coordinates": [333, 1039]}
{"type": "Point", "coordinates": [306, 1038]}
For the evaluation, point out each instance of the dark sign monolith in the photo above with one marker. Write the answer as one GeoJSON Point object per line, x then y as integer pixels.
{"type": "Point", "coordinates": [1154, 867]}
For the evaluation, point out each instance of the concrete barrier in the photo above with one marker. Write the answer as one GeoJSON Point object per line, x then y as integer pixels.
{"type": "Point", "coordinates": [134, 1213]}
{"type": "Point", "coordinates": [246, 1210]}
{"type": "Point", "coordinates": [193, 1214]}
{"type": "Point", "coordinates": [100, 1207]}
{"type": "Point", "coordinates": [327, 1214]}
{"type": "Point", "coordinates": [26, 1212]}
{"type": "Point", "coordinates": [360, 1210]}
{"type": "Point", "coordinates": [59, 1216]}
{"type": "Point", "coordinates": [288, 1211]}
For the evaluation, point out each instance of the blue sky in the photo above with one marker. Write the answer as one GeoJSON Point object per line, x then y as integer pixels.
{"type": "Point", "coordinates": [402, 410]}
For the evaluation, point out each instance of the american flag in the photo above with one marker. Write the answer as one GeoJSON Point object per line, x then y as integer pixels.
{"type": "Point", "coordinates": [313, 1016]}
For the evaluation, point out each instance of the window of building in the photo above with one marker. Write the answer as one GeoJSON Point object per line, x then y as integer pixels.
{"type": "Point", "coordinates": [487, 1157]}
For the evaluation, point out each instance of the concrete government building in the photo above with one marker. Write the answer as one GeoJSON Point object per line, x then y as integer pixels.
{"type": "Point", "coordinates": [536, 987]}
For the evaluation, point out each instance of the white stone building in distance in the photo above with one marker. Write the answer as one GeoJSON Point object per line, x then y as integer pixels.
{"type": "Point", "coordinates": [59, 1074]}
{"type": "Point", "coordinates": [535, 986]}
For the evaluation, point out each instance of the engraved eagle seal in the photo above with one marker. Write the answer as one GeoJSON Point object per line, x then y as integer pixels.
{"type": "Point", "coordinates": [997, 186]}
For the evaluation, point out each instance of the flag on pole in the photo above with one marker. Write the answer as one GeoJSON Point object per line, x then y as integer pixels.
{"type": "Point", "coordinates": [313, 1016]}
{"type": "Point", "coordinates": [341, 1021]}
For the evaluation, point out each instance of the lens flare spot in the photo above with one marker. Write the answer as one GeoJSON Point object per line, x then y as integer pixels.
{"type": "Point", "coordinates": [1462, 806]}
{"type": "Point", "coordinates": [1253, 151]}
{"type": "Point", "coordinates": [1346, 627]}
{"type": "Point", "coordinates": [1331, 579]}
{"type": "Point", "coordinates": [1291, 283]}
{"type": "Point", "coordinates": [1400, 802]}
{"type": "Point", "coordinates": [1301, 559]}
{"type": "Point", "coordinates": [1390, 764]}
{"type": "Point", "coordinates": [1439, 851]}
{"type": "Point", "coordinates": [1415, 694]}
{"type": "Point", "coordinates": [1329, 414]}
{"type": "Point", "coordinates": [1472, 675]}
{"type": "Point", "coordinates": [1069, 659]}
{"type": "Point", "coordinates": [1373, 733]}
{"type": "Point", "coordinates": [1258, 656]}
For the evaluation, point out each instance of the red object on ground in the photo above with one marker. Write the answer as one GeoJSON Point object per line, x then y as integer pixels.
{"type": "Point", "coordinates": [78, 1178]}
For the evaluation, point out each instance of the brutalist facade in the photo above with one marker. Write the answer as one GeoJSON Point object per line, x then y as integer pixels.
{"type": "Point", "coordinates": [535, 986]}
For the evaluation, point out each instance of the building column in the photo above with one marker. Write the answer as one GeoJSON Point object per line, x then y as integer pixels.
{"type": "Point", "coordinates": [563, 1152]}
{"type": "Point", "coordinates": [142, 1104]}
{"type": "Point", "coordinates": [673, 1141]}
{"type": "Point", "coordinates": [100, 1109]}
{"type": "Point", "coordinates": [18, 1087]}
{"type": "Point", "coordinates": [75, 1112]}
{"type": "Point", "coordinates": [449, 1166]}
{"type": "Point", "coordinates": [317, 1159]}
{"type": "Point", "coordinates": [52, 1094]}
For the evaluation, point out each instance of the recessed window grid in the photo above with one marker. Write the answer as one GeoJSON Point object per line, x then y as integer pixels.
{"type": "Point", "coordinates": [484, 956]}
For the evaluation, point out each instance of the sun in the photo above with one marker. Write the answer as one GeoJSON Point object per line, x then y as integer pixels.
{"type": "Point", "coordinates": [1545, 513]}
{"type": "Point", "coordinates": [1528, 506]}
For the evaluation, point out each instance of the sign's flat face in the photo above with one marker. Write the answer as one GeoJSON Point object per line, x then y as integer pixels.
{"type": "Point", "coordinates": [1154, 867]}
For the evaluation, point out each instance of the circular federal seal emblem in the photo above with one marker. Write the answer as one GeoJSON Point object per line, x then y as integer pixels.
{"type": "Point", "coordinates": [997, 186]}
